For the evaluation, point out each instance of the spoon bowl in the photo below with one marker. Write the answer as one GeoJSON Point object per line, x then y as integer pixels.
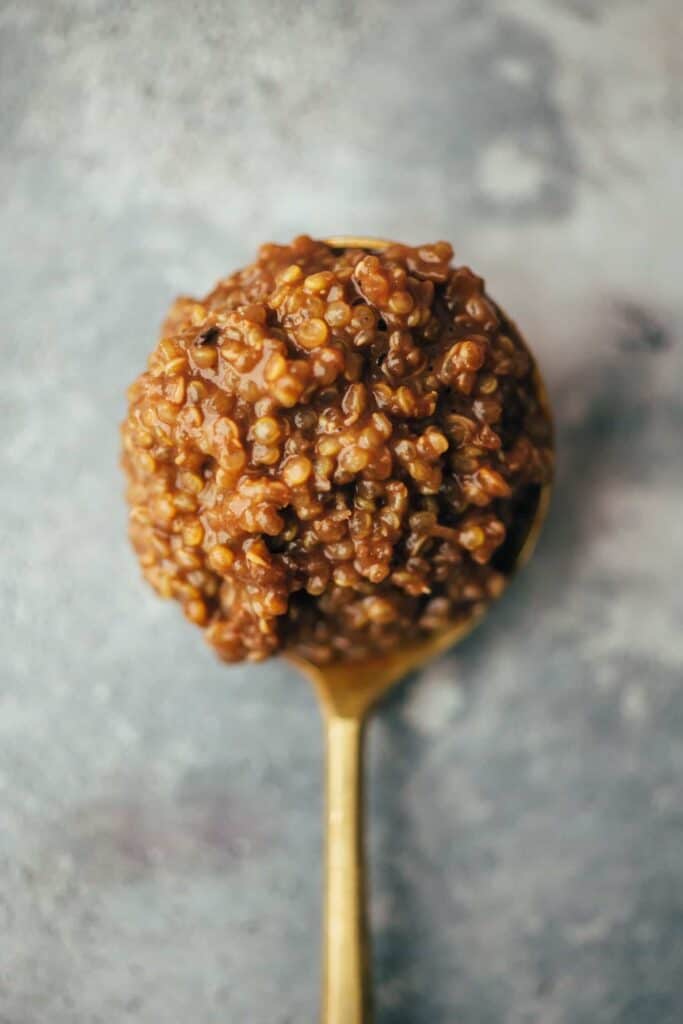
{"type": "Point", "coordinates": [347, 691]}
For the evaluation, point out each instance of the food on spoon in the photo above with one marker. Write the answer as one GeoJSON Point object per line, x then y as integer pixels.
{"type": "Point", "coordinates": [327, 453]}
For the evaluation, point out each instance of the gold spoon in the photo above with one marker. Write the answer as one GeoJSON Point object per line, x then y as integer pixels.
{"type": "Point", "coordinates": [346, 694]}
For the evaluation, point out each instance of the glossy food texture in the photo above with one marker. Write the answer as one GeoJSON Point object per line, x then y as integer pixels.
{"type": "Point", "coordinates": [327, 453]}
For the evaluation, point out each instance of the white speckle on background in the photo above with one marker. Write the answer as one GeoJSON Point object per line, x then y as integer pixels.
{"type": "Point", "coordinates": [634, 703]}
{"type": "Point", "coordinates": [508, 173]}
{"type": "Point", "coordinates": [434, 701]}
{"type": "Point", "coordinates": [514, 70]}
{"type": "Point", "coordinates": [595, 930]}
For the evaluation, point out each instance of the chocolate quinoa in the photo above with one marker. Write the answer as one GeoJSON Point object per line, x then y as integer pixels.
{"type": "Point", "coordinates": [327, 453]}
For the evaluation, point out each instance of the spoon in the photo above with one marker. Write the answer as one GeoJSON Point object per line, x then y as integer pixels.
{"type": "Point", "coordinates": [347, 692]}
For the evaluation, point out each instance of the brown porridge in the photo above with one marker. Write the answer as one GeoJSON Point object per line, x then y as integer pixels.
{"type": "Point", "coordinates": [328, 452]}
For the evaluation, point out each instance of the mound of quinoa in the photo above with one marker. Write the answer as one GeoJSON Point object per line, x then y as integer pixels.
{"type": "Point", "coordinates": [327, 453]}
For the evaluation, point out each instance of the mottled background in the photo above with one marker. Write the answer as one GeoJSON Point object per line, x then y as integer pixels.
{"type": "Point", "coordinates": [159, 813]}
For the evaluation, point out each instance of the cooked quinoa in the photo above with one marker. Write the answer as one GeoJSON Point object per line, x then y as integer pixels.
{"type": "Point", "coordinates": [327, 453]}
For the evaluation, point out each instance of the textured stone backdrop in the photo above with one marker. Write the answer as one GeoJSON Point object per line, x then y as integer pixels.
{"type": "Point", "coordinates": [159, 813]}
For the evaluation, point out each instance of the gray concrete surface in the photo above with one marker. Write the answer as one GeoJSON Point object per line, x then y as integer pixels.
{"type": "Point", "coordinates": [159, 813]}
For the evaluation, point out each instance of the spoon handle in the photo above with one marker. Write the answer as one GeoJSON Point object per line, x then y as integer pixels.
{"type": "Point", "coordinates": [345, 955]}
